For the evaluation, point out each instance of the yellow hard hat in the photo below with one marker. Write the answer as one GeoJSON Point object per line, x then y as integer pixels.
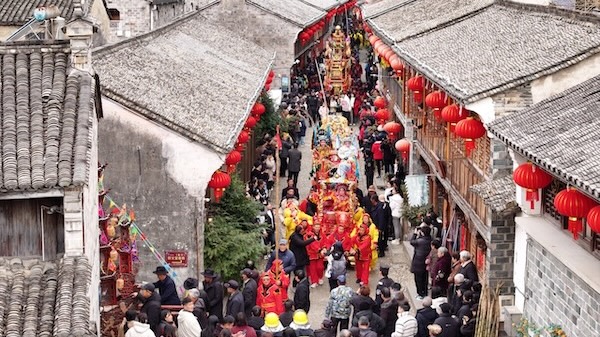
{"type": "Point", "coordinates": [300, 317]}
{"type": "Point", "coordinates": [272, 320]}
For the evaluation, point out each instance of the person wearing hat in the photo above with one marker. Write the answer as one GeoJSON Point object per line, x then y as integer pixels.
{"type": "Point", "coordinates": [338, 307]}
{"type": "Point", "coordinates": [235, 302]}
{"type": "Point", "coordinates": [214, 293]}
{"type": "Point", "coordinates": [285, 255]}
{"type": "Point", "coordinates": [150, 305]}
{"type": "Point", "coordinates": [384, 282]}
{"type": "Point", "coordinates": [326, 329]}
{"type": "Point", "coordinates": [362, 249]}
{"type": "Point", "coordinates": [249, 289]}
{"type": "Point", "coordinates": [166, 287]}
{"type": "Point", "coordinates": [300, 324]}
{"type": "Point", "coordinates": [272, 324]}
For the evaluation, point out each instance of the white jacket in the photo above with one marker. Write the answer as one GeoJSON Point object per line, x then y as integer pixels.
{"type": "Point", "coordinates": [396, 203]}
{"type": "Point", "coordinates": [406, 326]}
{"type": "Point", "coordinates": [140, 330]}
{"type": "Point", "coordinates": [188, 325]}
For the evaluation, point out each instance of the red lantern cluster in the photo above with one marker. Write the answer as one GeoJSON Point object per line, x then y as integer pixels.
{"type": "Point", "coordinates": [269, 80]}
{"type": "Point", "coordinates": [469, 129]}
{"type": "Point", "coordinates": [453, 114]}
{"type": "Point", "coordinates": [392, 129]}
{"type": "Point", "coordinates": [382, 115]}
{"type": "Point", "coordinates": [415, 84]}
{"type": "Point", "coordinates": [574, 205]}
{"type": "Point", "coordinates": [219, 182]}
{"type": "Point", "coordinates": [532, 179]}
{"type": "Point", "coordinates": [403, 146]}
{"type": "Point", "coordinates": [436, 100]}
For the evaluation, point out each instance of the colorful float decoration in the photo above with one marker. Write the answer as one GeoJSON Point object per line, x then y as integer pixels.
{"type": "Point", "coordinates": [337, 63]}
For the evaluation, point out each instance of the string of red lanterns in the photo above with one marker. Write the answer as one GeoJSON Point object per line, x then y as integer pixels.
{"type": "Point", "coordinates": [436, 100]}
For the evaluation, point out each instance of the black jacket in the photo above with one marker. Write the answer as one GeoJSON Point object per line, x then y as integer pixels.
{"type": "Point", "coordinates": [469, 271]}
{"type": "Point", "coordinates": [286, 318]}
{"type": "Point", "coordinates": [298, 247]}
{"type": "Point", "coordinates": [376, 323]}
{"type": "Point", "coordinates": [284, 192]}
{"type": "Point", "coordinates": [450, 325]}
{"type": "Point", "coordinates": [389, 314]}
{"type": "Point", "coordinates": [422, 248]}
{"type": "Point", "coordinates": [425, 316]}
{"type": "Point", "coordinates": [384, 282]}
{"type": "Point", "coordinates": [235, 304]}
{"type": "Point", "coordinates": [324, 333]}
{"type": "Point", "coordinates": [151, 307]}
{"type": "Point", "coordinates": [468, 329]}
{"type": "Point", "coordinates": [359, 301]}
{"type": "Point", "coordinates": [249, 294]}
{"type": "Point", "coordinates": [256, 323]}
{"type": "Point", "coordinates": [302, 295]}
{"type": "Point", "coordinates": [168, 291]}
{"type": "Point", "coordinates": [463, 310]}
{"type": "Point", "coordinates": [214, 292]}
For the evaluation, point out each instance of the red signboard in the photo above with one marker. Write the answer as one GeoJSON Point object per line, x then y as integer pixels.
{"type": "Point", "coordinates": [176, 258]}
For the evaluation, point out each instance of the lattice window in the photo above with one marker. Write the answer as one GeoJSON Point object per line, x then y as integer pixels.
{"type": "Point", "coordinates": [548, 199]}
{"type": "Point", "coordinates": [587, 5]}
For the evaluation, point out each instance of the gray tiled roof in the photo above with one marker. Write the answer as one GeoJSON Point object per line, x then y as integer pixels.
{"type": "Point", "coordinates": [376, 8]}
{"type": "Point", "coordinates": [325, 4]}
{"type": "Point", "coordinates": [505, 45]}
{"type": "Point", "coordinates": [498, 193]}
{"type": "Point", "coordinates": [560, 134]}
{"type": "Point", "coordinates": [47, 116]}
{"type": "Point", "coordinates": [18, 12]}
{"type": "Point", "coordinates": [409, 18]}
{"type": "Point", "coordinates": [193, 76]}
{"type": "Point", "coordinates": [45, 298]}
{"type": "Point", "coordinates": [295, 11]}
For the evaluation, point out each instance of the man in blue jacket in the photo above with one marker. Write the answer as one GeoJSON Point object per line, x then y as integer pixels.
{"type": "Point", "coordinates": [166, 287]}
{"type": "Point", "coordinates": [285, 255]}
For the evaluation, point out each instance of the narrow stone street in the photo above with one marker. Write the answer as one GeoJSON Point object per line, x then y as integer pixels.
{"type": "Point", "coordinates": [396, 257]}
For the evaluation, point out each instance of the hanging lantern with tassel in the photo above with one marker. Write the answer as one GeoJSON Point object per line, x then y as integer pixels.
{"type": "Point", "coordinates": [469, 129]}
{"type": "Point", "coordinates": [232, 159]}
{"type": "Point", "coordinates": [532, 179]}
{"type": "Point", "coordinates": [219, 182]}
{"type": "Point", "coordinates": [574, 205]}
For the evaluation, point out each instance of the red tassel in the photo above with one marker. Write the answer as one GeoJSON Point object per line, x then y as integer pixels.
{"type": "Point", "coordinates": [532, 196]}
{"type": "Point", "coordinates": [469, 146]}
{"type": "Point", "coordinates": [575, 227]}
{"type": "Point", "coordinates": [437, 114]}
{"type": "Point", "coordinates": [418, 96]}
{"type": "Point", "coordinates": [230, 169]}
{"type": "Point", "coordinates": [218, 194]}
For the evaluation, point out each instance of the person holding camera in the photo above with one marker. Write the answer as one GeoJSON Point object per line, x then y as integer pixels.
{"type": "Point", "coordinates": [421, 241]}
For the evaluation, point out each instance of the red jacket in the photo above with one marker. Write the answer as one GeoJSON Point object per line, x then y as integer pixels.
{"type": "Point", "coordinates": [376, 149]}
{"type": "Point", "coordinates": [314, 249]}
{"type": "Point", "coordinates": [270, 298]}
{"type": "Point", "coordinates": [363, 247]}
{"type": "Point", "coordinates": [345, 239]}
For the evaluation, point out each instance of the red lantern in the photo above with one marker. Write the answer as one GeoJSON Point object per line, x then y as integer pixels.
{"type": "Point", "coordinates": [574, 205]}
{"type": "Point", "coordinates": [593, 219]}
{"type": "Point", "coordinates": [418, 97]}
{"type": "Point", "coordinates": [379, 102]}
{"type": "Point", "coordinates": [258, 109]}
{"type": "Point", "coordinates": [373, 39]}
{"type": "Point", "coordinates": [377, 45]}
{"type": "Point", "coordinates": [219, 182]}
{"type": "Point", "coordinates": [403, 146]}
{"type": "Point", "coordinates": [531, 178]}
{"type": "Point", "coordinates": [415, 84]}
{"type": "Point", "coordinates": [392, 129]}
{"type": "Point", "coordinates": [304, 36]}
{"type": "Point", "coordinates": [453, 114]}
{"type": "Point", "coordinates": [250, 123]}
{"type": "Point", "coordinates": [396, 64]}
{"type": "Point", "coordinates": [267, 86]}
{"type": "Point", "coordinates": [382, 115]}
{"type": "Point", "coordinates": [368, 29]}
{"type": "Point", "coordinates": [243, 138]}
{"type": "Point", "coordinates": [232, 159]}
{"type": "Point", "coordinates": [436, 100]}
{"type": "Point", "coordinates": [469, 129]}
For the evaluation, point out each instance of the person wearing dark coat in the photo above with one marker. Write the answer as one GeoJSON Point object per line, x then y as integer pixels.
{"type": "Point", "coordinates": [468, 268]}
{"type": "Point", "coordinates": [425, 316]}
{"type": "Point", "coordinates": [442, 268]}
{"type": "Point", "coordinates": [469, 321]}
{"type": "Point", "coordinates": [421, 241]}
{"type": "Point", "coordinates": [166, 287]}
{"type": "Point", "coordinates": [450, 325]}
{"type": "Point", "coordinates": [384, 282]}
{"type": "Point", "coordinates": [286, 256]}
{"type": "Point", "coordinates": [302, 294]}
{"type": "Point", "coordinates": [363, 296]}
{"type": "Point", "coordinates": [378, 215]}
{"type": "Point", "coordinates": [255, 319]}
{"type": "Point", "coordinates": [388, 311]}
{"type": "Point", "coordinates": [295, 163]}
{"type": "Point", "coordinates": [326, 329]}
{"type": "Point", "coordinates": [465, 308]}
{"type": "Point", "coordinates": [290, 187]}
{"type": "Point", "coordinates": [249, 290]}
{"type": "Point", "coordinates": [150, 305]}
{"type": "Point", "coordinates": [286, 145]}
{"type": "Point", "coordinates": [287, 316]}
{"type": "Point", "coordinates": [235, 302]}
{"type": "Point", "coordinates": [214, 293]}
{"type": "Point", "coordinates": [376, 323]}
{"type": "Point", "coordinates": [298, 247]}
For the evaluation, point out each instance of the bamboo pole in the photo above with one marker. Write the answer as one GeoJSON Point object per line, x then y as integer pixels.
{"type": "Point", "coordinates": [277, 221]}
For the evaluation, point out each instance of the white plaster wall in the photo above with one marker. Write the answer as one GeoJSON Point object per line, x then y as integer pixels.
{"type": "Point", "coordinates": [484, 108]}
{"type": "Point", "coordinates": [562, 80]}
{"type": "Point", "coordinates": [519, 266]}
{"type": "Point", "coordinates": [189, 163]}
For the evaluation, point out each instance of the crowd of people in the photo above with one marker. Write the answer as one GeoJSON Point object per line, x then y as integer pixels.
{"type": "Point", "coordinates": [276, 301]}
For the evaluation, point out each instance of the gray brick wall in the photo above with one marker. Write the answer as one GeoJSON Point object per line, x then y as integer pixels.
{"type": "Point", "coordinates": [555, 295]}
{"type": "Point", "coordinates": [513, 100]}
{"type": "Point", "coordinates": [500, 252]}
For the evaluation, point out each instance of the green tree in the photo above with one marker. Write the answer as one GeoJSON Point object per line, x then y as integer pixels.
{"type": "Point", "coordinates": [270, 119]}
{"type": "Point", "coordinates": [233, 236]}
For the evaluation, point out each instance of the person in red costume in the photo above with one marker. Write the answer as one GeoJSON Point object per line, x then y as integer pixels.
{"type": "Point", "coordinates": [315, 250]}
{"type": "Point", "coordinates": [340, 235]}
{"type": "Point", "coordinates": [362, 250]}
{"type": "Point", "coordinates": [268, 296]}
{"type": "Point", "coordinates": [280, 278]}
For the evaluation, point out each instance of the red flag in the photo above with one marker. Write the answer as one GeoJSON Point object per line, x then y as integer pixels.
{"type": "Point", "coordinates": [278, 139]}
